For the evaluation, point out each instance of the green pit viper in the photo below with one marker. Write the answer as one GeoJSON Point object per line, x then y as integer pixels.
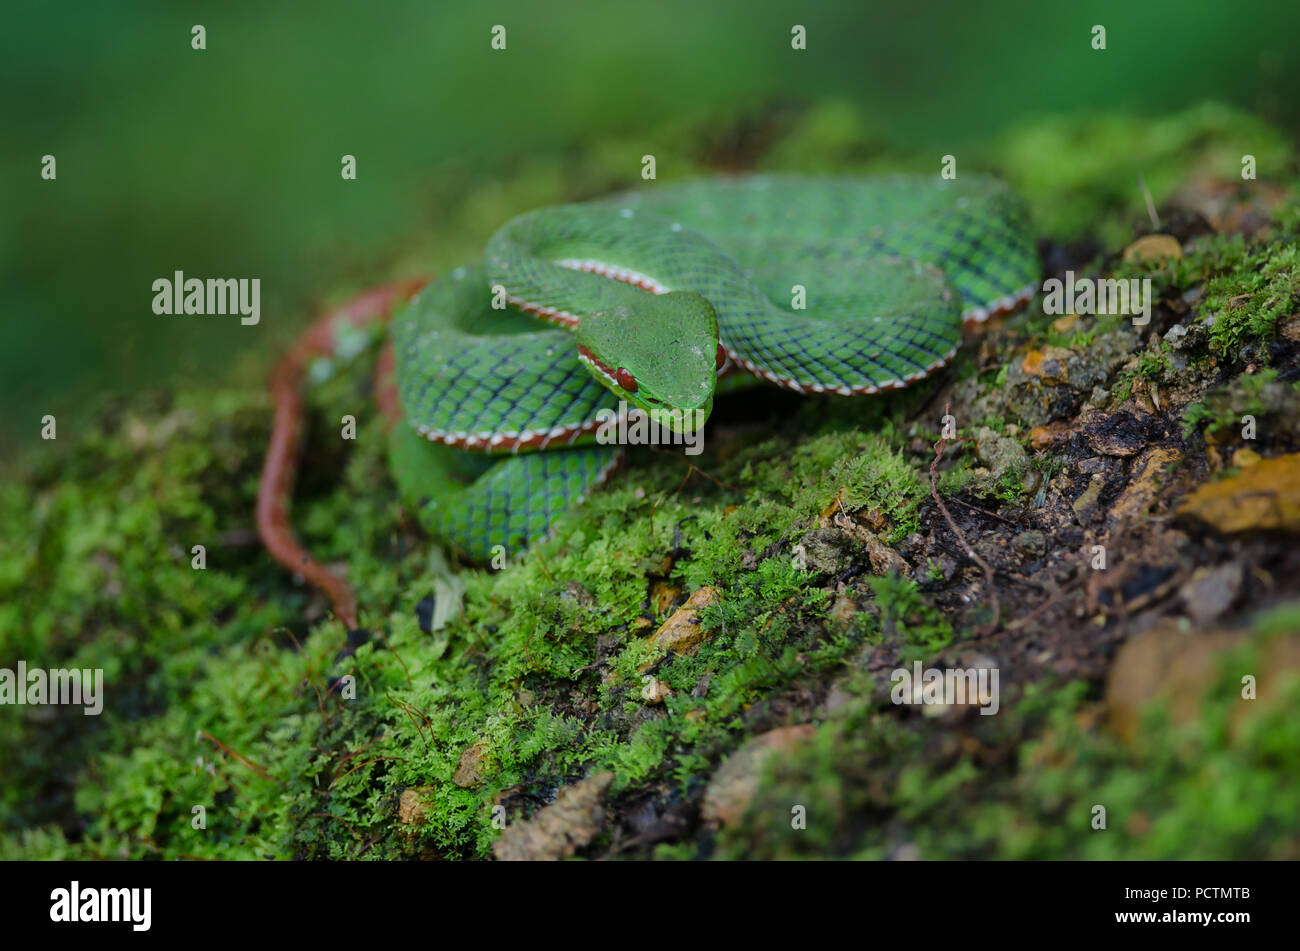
{"type": "Point", "coordinates": [650, 297]}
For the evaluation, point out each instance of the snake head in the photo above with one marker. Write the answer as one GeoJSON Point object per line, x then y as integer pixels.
{"type": "Point", "coordinates": [661, 355]}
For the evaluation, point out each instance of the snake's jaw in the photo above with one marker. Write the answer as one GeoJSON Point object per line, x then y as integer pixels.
{"type": "Point", "coordinates": [659, 355]}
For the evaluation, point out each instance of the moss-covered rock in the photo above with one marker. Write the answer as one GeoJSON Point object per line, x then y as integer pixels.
{"type": "Point", "coordinates": [803, 556]}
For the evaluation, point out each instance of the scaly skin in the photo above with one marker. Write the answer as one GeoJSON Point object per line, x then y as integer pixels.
{"type": "Point", "coordinates": [651, 294]}
{"type": "Point", "coordinates": [887, 265]}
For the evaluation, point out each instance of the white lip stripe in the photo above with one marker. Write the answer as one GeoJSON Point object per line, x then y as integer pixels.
{"type": "Point", "coordinates": [597, 367]}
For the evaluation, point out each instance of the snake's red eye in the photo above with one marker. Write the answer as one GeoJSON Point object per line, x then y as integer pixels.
{"type": "Point", "coordinates": [625, 380]}
{"type": "Point", "coordinates": [722, 356]}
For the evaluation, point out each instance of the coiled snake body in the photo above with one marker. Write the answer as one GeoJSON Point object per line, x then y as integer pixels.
{"type": "Point", "coordinates": [837, 286]}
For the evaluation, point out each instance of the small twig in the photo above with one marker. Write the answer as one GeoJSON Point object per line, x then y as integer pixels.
{"type": "Point", "coordinates": [330, 815]}
{"type": "Point", "coordinates": [255, 767]}
{"type": "Point", "coordinates": [1151, 205]}
{"type": "Point", "coordinates": [961, 537]}
{"type": "Point", "coordinates": [407, 708]}
{"type": "Point", "coordinates": [384, 637]}
{"type": "Point", "coordinates": [360, 749]}
{"type": "Point", "coordinates": [251, 650]}
{"type": "Point", "coordinates": [359, 765]}
{"type": "Point", "coordinates": [976, 508]}
{"type": "Point", "coordinates": [542, 566]}
{"type": "Point", "coordinates": [311, 673]}
{"type": "Point", "coordinates": [693, 468]}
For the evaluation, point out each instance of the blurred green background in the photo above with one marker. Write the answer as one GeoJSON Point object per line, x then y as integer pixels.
{"type": "Point", "coordinates": [225, 162]}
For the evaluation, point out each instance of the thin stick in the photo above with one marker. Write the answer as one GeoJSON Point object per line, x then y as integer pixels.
{"type": "Point", "coordinates": [1151, 205]}
{"type": "Point", "coordinates": [976, 508]}
{"type": "Point", "coordinates": [255, 767]}
{"type": "Point", "coordinates": [961, 537]}
{"type": "Point", "coordinates": [330, 815]}
{"type": "Point", "coordinates": [359, 765]}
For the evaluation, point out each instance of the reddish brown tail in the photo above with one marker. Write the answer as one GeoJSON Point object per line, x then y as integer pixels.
{"type": "Point", "coordinates": [275, 491]}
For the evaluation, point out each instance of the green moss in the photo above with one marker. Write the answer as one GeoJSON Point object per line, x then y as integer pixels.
{"type": "Point", "coordinates": [902, 610]}
{"type": "Point", "coordinates": [223, 686]}
{"type": "Point", "coordinates": [957, 479]}
{"type": "Point", "coordinates": [239, 718]}
{"type": "Point", "coordinates": [1216, 788]}
{"type": "Point", "coordinates": [880, 477]}
{"type": "Point", "coordinates": [1091, 184]}
{"type": "Point", "coordinates": [1274, 405]}
{"type": "Point", "coordinates": [1245, 305]}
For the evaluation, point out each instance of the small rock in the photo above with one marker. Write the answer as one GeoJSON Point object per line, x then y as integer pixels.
{"type": "Point", "coordinates": [1153, 247]}
{"type": "Point", "coordinates": [1210, 592]}
{"type": "Point", "coordinates": [1052, 434]}
{"type": "Point", "coordinates": [681, 633]}
{"type": "Point", "coordinates": [1163, 662]}
{"type": "Point", "coordinates": [656, 691]}
{"type": "Point", "coordinates": [733, 786]}
{"type": "Point", "coordinates": [843, 609]}
{"type": "Point", "coordinates": [1263, 497]}
{"type": "Point", "coordinates": [663, 594]}
{"type": "Point", "coordinates": [559, 830]}
{"type": "Point", "coordinates": [468, 769]}
{"type": "Point", "coordinates": [1144, 484]}
{"type": "Point", "coordinates": [1244, 458]}
{"type": "Point", "coordinates": [1115, 434]}
{"type": "Point", "coordinates": [412, 807]}
{"type": "Point", "coordinates": [576, 593]}
{"type": "Point", "coordinates": [883, 559]}
{"type": "Point", "coordinates": [1000, 453]}
{"type": "Point", "coordinates": [1032, 543]}
{"type": "Point", "coordinates": [832, 548]}
{"type": "Point", "coordinates": [828, 550]}
{"type": "Point", "coordinates": [1168, 664]}
{"type": "Point", "coordinates": [1085, 506]}
{"type": "Point", "coordinates": [1049, 364]}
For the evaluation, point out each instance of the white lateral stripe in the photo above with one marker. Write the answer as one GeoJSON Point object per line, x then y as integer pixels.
{"type": "Point", "coordinates": [1002, 305]}
{"type": "Point", "coordinates": [842, 390]}
{"type": "Point", "coordinates": [490, 440]}
{"type": "Point", "coordinates": [626, 275]}
{"type": "Point", "coordinates": [553, 314]}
